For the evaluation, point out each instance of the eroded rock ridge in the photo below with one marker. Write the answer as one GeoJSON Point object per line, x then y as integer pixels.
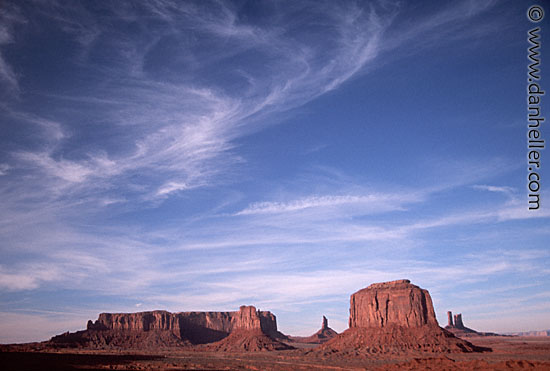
{"type": "Point", "coordinates": [165, 329]}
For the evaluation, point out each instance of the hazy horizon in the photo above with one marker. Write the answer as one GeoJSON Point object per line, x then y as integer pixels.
{"type": "Point", "coordinates": [203, 155]}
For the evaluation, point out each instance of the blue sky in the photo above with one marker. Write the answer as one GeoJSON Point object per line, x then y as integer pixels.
{"type": "Point", "coordinates": [203, 155]}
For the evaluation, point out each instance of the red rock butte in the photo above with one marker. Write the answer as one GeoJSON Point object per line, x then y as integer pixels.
{"type": "Point", "coordinates": [246, 318]}
{"type": "Point", "coordinates": [391, 303]}
{"type": "Point", "coordinates": [164, 329]}
{"type": "Point", "coordinates": [393, 317]}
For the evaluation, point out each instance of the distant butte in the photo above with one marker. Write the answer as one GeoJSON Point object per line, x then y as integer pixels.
{"type": "Point", "coordinates": [320, 337]}
{"type": "Point", "coordinates": [456, 326]}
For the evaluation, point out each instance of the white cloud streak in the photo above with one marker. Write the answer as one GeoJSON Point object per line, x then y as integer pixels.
{"type": "Point", "coordinates": [377, 202]}
{"type": "Point", "coordinates": [28, 277]}
{"type": "Point", "coordinates": [4, 168]}
{"type": "Point", "coordinates": [9, 17]}
{"type": "Point", "coordinates": [505, 190]}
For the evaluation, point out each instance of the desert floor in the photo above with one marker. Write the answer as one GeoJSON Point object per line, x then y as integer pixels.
{"type": "Point", "coordinates": [509, 353]}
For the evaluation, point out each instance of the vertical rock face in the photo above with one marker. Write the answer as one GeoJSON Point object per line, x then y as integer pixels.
{"type": "Point", "coordinates": [450, 319]}
{"type": "Point", "coordinates": [268, 323]}
{"type": "Point", "coordinates": [391, 303]}
{"type": "Point", "coordinates": [162, 328]}
{"type": "Point", "coordinates": [458, 321]}
{"type": "Point", "coordinates": [325, 323]}
{"type": "Point", "coordinates": [144, 321]}
{"type": "Point", "coordinates": [247, 318]}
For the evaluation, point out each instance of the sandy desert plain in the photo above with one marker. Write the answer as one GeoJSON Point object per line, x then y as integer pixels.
{"type": "Point", "coordinates": [392, 326]}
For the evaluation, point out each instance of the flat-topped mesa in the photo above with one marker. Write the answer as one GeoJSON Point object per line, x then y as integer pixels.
{"type": "Point", "coordinates": [388, 284]}
{"type": "Point", "coordinates": [165, 329]}
{"type": "Point", "coordinates": [397, 303]}
{"type": "Point", "coordinates": [141, 321]}
{"type": "Point", "coordinates": [247, 318]}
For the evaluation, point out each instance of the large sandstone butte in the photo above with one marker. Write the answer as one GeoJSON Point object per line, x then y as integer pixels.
{"type": "Point", "coordinates": [391, 303]}
{"type": "Point", "coordinates": [393, 317]}
{"type": "Point", "coordinates": [164, 329]}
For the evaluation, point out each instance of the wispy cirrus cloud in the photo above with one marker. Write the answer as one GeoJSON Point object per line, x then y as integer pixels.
{"type": "Point", "coordinates": [29, 277]}
{"type": "Point", "coordinates": [509, 192]}
{"type": "Point", "coordinates": [375, 202]}
{"type": "Point", "coordinates": [9, 17]}
{"type": "Point", "coordinates": [67, 170]}
{"type": "Point", "coordinates": [186, 128]}
{"type": "Point", "coordinates": [4, 168]}
{"type": "Point", "coordinates": [498, 189]}
{"type": "Point", "coordinates": [172, 187]}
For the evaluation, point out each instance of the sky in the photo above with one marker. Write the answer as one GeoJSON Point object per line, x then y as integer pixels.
{"type": "Point", "coordinates": [199, 156]}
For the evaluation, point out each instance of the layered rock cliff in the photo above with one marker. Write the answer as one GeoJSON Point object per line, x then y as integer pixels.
{"type": "Point", "coordinates": [393, 317]}
{"type": "Point", "coordinates": [162, 328]}
{"type": "Point", "coordinates": [246, 318]}
{"type": "Point", "coordinates": [391, 303]}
